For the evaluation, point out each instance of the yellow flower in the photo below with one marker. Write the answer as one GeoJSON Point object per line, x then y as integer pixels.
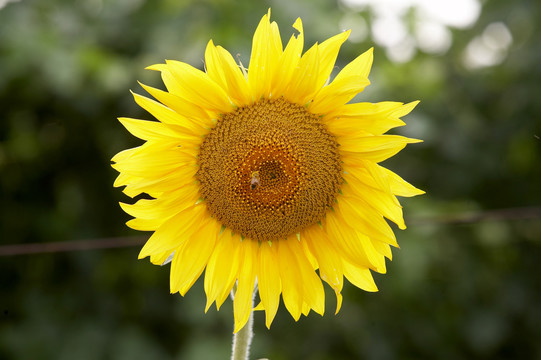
{"type": "Point", "coordinates": [265, 175]}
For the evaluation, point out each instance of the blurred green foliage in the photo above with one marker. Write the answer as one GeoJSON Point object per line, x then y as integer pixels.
{"type": "Point", "coordinates": [452, 291]}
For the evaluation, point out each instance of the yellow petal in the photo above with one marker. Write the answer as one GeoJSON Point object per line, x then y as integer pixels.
{"type": "Point", "coordinates": [258, 66]}
{"type": "Point", "coordinates": [275, 51]}
{"type": "Point", "coordinates": [330, 263]}
{"type": "Point", "coordinates": [195, 86]}
{"type": "Point", "coordinates": [236, 243]}
{"type": "Point", "coordinates": [163, 113]}
{"type": "Point", "coordinates": [123, 179]}
{"type": "Point", "coordinates": [345, 126]}
{"type": "Point", "coordinates": [242, 305]}
{"type": "Point", "coordinates": [145, 224]}
{"type": "Point", "coordinates": [362, 217]}
{"type": "Point", "coordinates": [339, 299]}
{"type": "Point", "coordinates": [221, 68]}
{"type": "Point", "coordinates": [383, 248]}
{"type": "Point", "coordinates": [375, 118]}
{"type": "Point", "coordinates": [266, 52]}
{"type": "Point", "coordinates": [157, 164]}
{"type": "Point", "coordinates": [371, 252]}
{"type": "Point", "coordinates": [149, 148]}
{"type": "Point", "coordinates": [292, 288]}
{"type": "Point", "coordinates": [167, 184]}
{"type": "Point", "coordinates": [222, 269]}
{"type": "Point", "coordinates": [165, 206]}
{"type": "Point", "coordinates": [379, 177]}
{"type": "Point", "coordinates": [358, 67]}
{"type": "Point", "coordinates": [404, 109]}
{"type": "Point", "coordinates": [348, 83]}
{"type": "Point", "coordinates": [382, 110]}
{"type": "Point", "coordinates": [155, 148]}
{"type": "Point", "coordinates": [171, 83]}
{"type": "Point", "coordinates": [399, 186]}
{"type": "Point", "coordinates": [159, 259]}
{"type": "Point", "coordinates": [174, 231]}
{"type": "Point", "coordinates": [303, 84]}
{"type": "Point", "coordinates": [276, 47]}
{"type": "Point", "coordinates": [370, 175]}
{"type": "Point", "coordinates": [308, 252]}
{"type": "Point", "coordinates": [259, 307]}
{"type": "Point", "coordinates": [383, 203]}
{"type": "Point", "coordinates": [213, 66]}
{"type": "Point", "coordinates": [305, 309]}
{"type": "Point", "coordinates": [373, 148]}
{"type": "Point", "coordinates": [337, 93]}
{"type": "Point", "coordinates": [269, 283]}
{"type": "Point", "coordinates": [357, 127]}
{"type": "Point", "coordinates": [360, 277]}
{"type": "Point", "coordinates": [192, 257]}
{"type": "Point", "coordinates": [328, 52]}
{"type": "Point", "coordinates": [195, 118]}
{"type": "Point", "coordinates": [153, 130]}
{"type": "Point", "coordinates": [153, 216]}
{"type": "Point", "coordinates": [126, 154]}
{"type": "Point", "coordinates": [313, 293]}
{"type": "Point", "coordinates": [288, 62]}
{"type": "Point", "coordinates": [347, 241]}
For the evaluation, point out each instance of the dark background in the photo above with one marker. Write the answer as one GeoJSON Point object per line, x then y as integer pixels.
{"type": "Point", "coordinates": [465, 284]}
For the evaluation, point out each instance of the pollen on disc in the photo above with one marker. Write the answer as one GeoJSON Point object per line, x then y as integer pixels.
{"type": "Point", "coordinates": [269, 170]}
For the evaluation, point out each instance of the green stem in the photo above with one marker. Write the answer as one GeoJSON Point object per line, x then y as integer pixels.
{"type": "Point", "coordinates": [242, 339]}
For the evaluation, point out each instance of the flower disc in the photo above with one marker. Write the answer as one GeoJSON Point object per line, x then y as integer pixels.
{"type": "Point", "coordinates": [269, 170]}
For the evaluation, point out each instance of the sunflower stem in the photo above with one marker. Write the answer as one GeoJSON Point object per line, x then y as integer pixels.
{"type": "Point", "coordinates": [242, 339]}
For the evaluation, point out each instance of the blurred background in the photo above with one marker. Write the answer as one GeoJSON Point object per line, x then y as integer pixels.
{"type": "Point", "coordinates": [466, 283]}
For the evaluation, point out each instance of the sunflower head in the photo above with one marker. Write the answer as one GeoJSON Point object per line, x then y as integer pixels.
{"type": "Point", "coordinates": [266, 176]}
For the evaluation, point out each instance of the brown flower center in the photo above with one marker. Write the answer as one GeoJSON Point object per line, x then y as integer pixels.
{"type": "Point", "coordinates": [269, 170]}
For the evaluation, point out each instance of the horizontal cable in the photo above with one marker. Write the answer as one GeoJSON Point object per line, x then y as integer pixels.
{"type": "Point", "coordinates": [526, 213]}
{"type": "Point", "coordinates": [523, 213]}
{"type": "Point", "coordinates": [74, 245]}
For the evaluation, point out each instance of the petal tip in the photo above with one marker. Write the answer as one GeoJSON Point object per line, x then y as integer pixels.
{"type": "Point", "coordinates": [297, 25]}
{"type": "Point", "coordinates": [156, 67]}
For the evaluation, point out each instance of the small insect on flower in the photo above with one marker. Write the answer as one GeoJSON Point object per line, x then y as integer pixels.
{"type": "Point", "coordinates": [254, 182]}
{"type": "Point", "coordinates": [266, 175]}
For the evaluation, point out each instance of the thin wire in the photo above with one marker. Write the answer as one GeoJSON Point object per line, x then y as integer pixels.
{"type": "Point", "coordinates": [524, 213]}
{"type": "Point", "coordinates": [75, 245]}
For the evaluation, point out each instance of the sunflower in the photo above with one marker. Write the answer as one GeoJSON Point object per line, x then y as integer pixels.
{"type": "Point", "coordinates": [266, 176]}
